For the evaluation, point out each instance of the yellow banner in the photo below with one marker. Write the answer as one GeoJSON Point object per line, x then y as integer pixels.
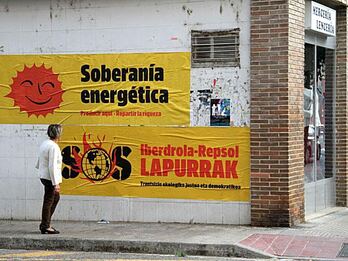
{"type": "Point", "coordinates": [157, 162]}
{"type": "Point", "coordinates": [140, 89]}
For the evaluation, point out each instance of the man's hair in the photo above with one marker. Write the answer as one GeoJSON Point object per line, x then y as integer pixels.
{"type": "Point", "coordinates": [54, 131]}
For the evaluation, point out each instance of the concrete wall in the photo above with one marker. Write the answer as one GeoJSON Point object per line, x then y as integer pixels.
{"type": "Point", "coordinates": [87, 26]}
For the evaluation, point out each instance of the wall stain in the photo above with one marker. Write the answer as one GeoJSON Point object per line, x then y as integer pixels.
{"type": "Point", "coordinates": [6, 8]}
{"type": "Point", "coordinates": [188, 10]}
{"type": "Point", "coordinates": [51, 10]}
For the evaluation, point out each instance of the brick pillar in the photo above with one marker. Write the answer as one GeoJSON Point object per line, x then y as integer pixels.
{"type": "Point", "coordinates": [341, 110]}
{"type": "Point", "coordinates": [277, 82]}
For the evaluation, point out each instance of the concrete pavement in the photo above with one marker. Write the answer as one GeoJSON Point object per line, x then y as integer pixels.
{"type": "Point", "coordinates": [320, 237]}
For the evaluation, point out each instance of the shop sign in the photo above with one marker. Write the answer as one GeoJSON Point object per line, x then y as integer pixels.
{"type": "Point", "coordinates": [321, 19]}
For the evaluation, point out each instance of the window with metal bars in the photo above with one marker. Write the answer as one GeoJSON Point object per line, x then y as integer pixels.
{"type": "Point", "coordinates": [215, 48]}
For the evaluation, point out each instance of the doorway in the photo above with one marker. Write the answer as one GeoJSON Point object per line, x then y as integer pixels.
{"type": "Point", "coordinates": [319, 136]}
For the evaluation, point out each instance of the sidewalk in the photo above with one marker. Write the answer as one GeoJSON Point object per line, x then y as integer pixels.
{"type": "Point", "coordinates": [320, 237]}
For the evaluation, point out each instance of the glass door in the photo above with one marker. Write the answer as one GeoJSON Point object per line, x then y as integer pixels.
{"type": "Point", "coordinates": [318, 135]}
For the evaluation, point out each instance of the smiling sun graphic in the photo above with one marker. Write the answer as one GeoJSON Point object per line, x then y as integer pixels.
{"type": "Point", "coordinates": [36, 90]}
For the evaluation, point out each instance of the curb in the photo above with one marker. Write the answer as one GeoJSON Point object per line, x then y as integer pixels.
{"type": "Point", "coordinates": [146, 247]}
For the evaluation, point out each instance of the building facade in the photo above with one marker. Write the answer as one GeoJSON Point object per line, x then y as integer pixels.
{"type": "Point", "coordinates": [254, 81]}
{"type": "Point", "coordinates": [292, 50]}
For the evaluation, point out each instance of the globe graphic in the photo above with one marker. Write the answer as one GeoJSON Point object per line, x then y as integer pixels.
{"type": "Point", "coordinates": [96, 164]}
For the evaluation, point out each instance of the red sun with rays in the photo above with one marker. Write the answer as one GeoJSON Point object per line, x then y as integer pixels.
{"type": "Point", "coordinates": [36, 90]}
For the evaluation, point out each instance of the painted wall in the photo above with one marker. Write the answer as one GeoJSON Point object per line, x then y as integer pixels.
{"type": "Point", "coordinates": [87, 26]}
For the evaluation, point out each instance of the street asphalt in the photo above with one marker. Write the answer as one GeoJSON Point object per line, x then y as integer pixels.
{"type": "Point", "coordinates": [321, 237]}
